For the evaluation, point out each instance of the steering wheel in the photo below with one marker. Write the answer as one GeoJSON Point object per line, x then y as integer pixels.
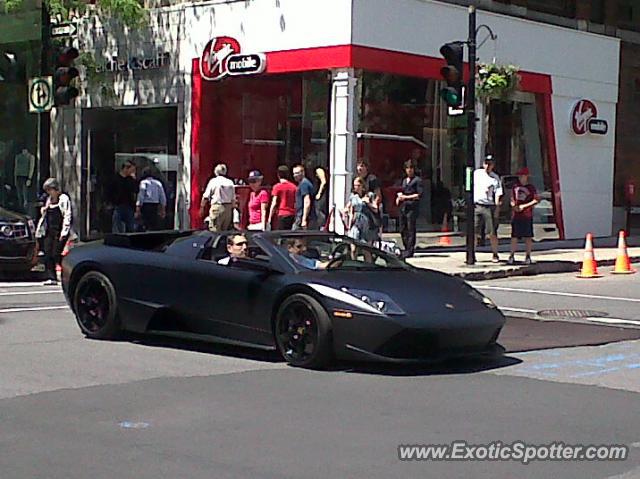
{"type": "Point", "coordinates": [338, 255]}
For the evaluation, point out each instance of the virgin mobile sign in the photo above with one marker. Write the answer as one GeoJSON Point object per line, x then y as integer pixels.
{"type": "Point", "coordinates": [222, 57]}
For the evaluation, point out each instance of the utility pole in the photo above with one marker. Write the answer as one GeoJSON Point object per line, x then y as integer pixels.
{"type": "Point", "coordinates": [471, 138]}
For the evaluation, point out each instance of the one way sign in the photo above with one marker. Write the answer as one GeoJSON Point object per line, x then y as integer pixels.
{"type": "Point", "coordinates": [64, 30]}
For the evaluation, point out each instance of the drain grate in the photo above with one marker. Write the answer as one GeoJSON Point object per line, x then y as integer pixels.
{"type": "Point", "coordinates": [571, 313]}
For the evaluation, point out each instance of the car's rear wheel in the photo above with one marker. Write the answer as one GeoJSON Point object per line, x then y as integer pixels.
{"type": "Point", "coordinates": [95, 306]}
{"type": "Point", "coordinates": [303, 332]}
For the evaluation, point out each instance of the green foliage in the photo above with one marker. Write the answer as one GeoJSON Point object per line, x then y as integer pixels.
{"type": "Point", "coordinates": [94, 78]}
{"type": "Point", "coordinates": [130, 12]}
{"type": "Point", "coordinates": [496, 81]}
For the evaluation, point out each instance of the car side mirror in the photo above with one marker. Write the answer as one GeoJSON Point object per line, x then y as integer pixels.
{"type": "Point", "coordinates": [252, 265]}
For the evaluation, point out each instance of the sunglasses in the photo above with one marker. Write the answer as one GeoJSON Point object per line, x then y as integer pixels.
{"type": "Point", "coordinates": [241, 243]}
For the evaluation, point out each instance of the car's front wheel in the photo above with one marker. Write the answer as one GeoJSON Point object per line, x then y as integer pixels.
{"type": "Point", "coordinates": [95, 306]}
{"type": "Point", "coordinates": [303, 332]}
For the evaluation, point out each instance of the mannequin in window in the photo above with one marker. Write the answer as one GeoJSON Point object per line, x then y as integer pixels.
{"type": "Point", "coordinates": [23, 170]}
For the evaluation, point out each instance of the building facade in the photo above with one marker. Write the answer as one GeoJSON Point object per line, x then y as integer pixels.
{"type": "Point", "coordinates": [258, 84]}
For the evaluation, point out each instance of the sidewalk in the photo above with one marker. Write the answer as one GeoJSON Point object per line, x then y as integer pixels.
{"type": "Point", "coordinates": [549, 256]}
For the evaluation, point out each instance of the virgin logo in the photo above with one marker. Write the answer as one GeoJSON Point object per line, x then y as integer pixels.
{"type": "Point", "coordinates": [215, 57]}
{"type": "Point", "coordinates": [582, 112]}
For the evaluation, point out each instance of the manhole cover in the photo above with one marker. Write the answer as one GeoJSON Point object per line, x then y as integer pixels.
{"type": "Point", "coordinates": [571, 313]}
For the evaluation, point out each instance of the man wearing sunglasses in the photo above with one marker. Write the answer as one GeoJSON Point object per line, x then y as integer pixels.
{"type": "Point", "coordinates": [236, 247]}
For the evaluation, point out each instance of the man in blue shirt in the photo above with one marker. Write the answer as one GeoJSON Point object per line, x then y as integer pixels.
{"type": "Point", "coordinates": [305, 212]}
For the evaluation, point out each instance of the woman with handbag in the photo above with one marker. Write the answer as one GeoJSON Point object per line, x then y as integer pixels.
{"type": "Point", "coordinates": [54, 226]}
{"type": "Point", "coordinates": [361, 207]}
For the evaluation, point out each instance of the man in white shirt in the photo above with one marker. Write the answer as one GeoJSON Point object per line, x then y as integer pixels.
{"type": "Point", "coordinates": [220, 196]}
{"type": "Point", "coordinates": [487, 197]}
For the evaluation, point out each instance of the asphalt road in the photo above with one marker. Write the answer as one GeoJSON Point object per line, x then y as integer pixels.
{"type": "Point", "coordinates": [76, 408]}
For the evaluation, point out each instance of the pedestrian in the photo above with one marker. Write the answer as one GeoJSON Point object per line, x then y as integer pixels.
{"type": "Point", "coordinates": [358, 213]}
{"type": "Point", "coordinates": [441, 205]}
{"type": "Point", "coordinates": [524, 197]}
{"type": "Point", "coordinates": [151, 205]}
{"type": "Point", "coordinates": [487, 198]}
{"type": "Point", "coordinates": [283, 200]}
{"type": "Point", "coordinates": [125, 190]}
{"type": "Point", "coordinates": [258, 202]}
{"type": "Point", "coordinates": [306, 218]}
{"type": "Point", "coordinates": [218, 200]}
{"type": "Point", "coordinates": [372, 186]}
{"type": "Point", "coordinates": [54, 226]}
{"type": "Point", "coordinates": [321, 194]}
{"type": "Point", "coordinates": [409, 202]}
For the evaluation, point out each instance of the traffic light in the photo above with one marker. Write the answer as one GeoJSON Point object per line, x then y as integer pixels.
{"type": "Point", "coordinates": [453, 53]}
{"type": "Point", "coordinates": [64, 74]}
{"type": "Point", "coordinates": [8, 67]}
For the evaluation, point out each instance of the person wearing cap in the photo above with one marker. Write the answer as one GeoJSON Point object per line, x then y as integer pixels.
{"type": "Point", "coordinates": [258, 202]}
{"type": "Point", "coordinates": [524, 197]}
{"type": "Point", "coordinates": [487, 198]}
{"type": "Point", "coordinates": [218, 199]}
{"type": "Point", "coordinates": [54, 226]}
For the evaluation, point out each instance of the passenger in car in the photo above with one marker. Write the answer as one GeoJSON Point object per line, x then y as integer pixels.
{"type": "Point", "coordinates": [297, 248]}
{"type": "Point", "coordinates": [236, 247]}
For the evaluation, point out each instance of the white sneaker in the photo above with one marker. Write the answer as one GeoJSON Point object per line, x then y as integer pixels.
{"type": "Point", "coordinates": [50, 282]}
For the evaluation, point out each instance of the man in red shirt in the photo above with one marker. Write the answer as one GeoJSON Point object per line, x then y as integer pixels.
{"type": "Point", "coordinates": [283, 200]}
{"type": "Point", "coordinates": [523, 198]}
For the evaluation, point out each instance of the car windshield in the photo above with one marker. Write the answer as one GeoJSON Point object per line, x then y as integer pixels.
{"type": "Point", "coordinates": [335, 253]}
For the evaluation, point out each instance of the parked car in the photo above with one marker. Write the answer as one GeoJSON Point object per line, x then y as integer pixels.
{"type": "Point", "coordinates": [18, 245]}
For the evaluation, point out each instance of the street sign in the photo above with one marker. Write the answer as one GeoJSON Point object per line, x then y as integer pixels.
{"type": "Point", "coordinates": [40, 94]}
{"type": "Point", "coordinates": [64, 30]}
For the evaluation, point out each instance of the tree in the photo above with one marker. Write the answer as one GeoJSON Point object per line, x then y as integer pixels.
{"type": "Point", "coordinates": [130, 12]}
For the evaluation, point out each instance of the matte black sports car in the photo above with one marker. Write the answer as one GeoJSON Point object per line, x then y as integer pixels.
{"type": "Point", "coordinates": [18, 249]}
{"type": "Point", "coordinates": [312, 296]}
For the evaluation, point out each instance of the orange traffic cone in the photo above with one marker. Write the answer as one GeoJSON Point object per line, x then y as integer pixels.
{"type": "Point", "coordinates": [589, 265]}
{"type": "Point", "coordinates": [445, 240]}
{"type": "Point", "coordinates": [623, 264]}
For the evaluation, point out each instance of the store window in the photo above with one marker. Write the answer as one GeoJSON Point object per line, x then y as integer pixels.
{"type": "Point", "coordinates": [401, 118]}
{"type": "Point", "coordinates": [20, 167]}
{"type": "Point", "coordinates": [260, 123]}
{"type": "Point", "coordinates": [516, 138]}
{"type": "Point", "coordinates": [148, 137]}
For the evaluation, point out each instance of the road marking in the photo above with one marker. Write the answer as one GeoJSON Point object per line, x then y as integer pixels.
{"type": "Point", "coordinates": [23, 293]}
{"type": "Point", "coordinates": [20, 284]}
{"type": "Point", "coordinates": [518, 310]}
{"type": "Point", "coordinates": [41, 308]}
{"type": "Point", "coordinates": [614, 321]}
{"type": "Point", "coordinates": [558, 293]}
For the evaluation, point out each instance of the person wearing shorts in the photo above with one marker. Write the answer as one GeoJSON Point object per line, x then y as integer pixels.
{"type": "Point", "coordinates": [487, 197]}
{"type": "Point", "coordinates": [523, 199]}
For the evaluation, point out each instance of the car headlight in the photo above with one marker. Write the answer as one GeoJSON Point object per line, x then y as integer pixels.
{"type": "Point", "coordinates": [482, 298]}
{"type": "Point", "coordinates": [380, 301]}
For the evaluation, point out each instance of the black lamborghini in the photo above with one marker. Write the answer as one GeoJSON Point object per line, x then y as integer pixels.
{"type": "Point", "coordinates": [312, 296]}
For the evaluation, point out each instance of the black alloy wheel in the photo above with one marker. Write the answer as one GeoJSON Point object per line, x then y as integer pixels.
{"type": "Point", "coordinates": [95, 306]}
{"type": "Point", "coordinates": [303, 332]}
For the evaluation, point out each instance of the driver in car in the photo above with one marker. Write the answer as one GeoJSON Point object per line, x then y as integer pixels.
{"type": "Point", "coordinates": [236, 247]}
{"type": "Point", "coordinates": [297, 248]}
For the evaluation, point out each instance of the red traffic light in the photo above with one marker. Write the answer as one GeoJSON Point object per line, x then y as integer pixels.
{"type": "Point", "coordinates": [67, 55]}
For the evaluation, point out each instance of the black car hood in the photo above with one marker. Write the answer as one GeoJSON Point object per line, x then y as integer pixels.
{"type": "Point", "coordinates": [414, 290]}
{"type": "Point", "coordinates": [10, 216]}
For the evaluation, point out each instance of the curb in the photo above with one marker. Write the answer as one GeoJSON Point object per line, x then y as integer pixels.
{"type": "Point", "coordinates": [549, 267]}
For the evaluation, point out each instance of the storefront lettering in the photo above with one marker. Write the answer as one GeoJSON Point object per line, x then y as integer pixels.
{"type": "Point", "coordinates": [246, 64]}
{"type": "Point", "coordinates": [115, 65]}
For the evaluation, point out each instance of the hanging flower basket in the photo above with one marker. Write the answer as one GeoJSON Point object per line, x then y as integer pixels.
{"type": "Point", "coordinates": [496, 81]}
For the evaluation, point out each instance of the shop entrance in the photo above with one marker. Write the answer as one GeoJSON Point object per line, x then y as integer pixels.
{"type": "Point", "coordinates": [259, 123]}
{"type": "Point", "coordinates": [148, 136]}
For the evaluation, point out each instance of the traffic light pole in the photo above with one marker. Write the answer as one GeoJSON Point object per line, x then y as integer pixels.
{"type": "Point", "coordinates": [44, 120]}
{"type": "Point", "coordinates": [471, 137]}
